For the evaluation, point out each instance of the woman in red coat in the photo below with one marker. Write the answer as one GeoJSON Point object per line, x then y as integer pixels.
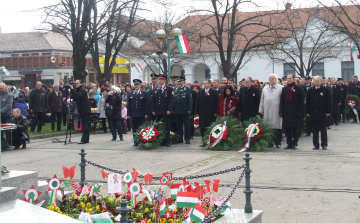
{"type": "Point", "coordinates": [228, 102]}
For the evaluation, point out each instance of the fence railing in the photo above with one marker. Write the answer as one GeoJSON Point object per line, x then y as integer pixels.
{"type": "Point", "coordinates": [123, 208]}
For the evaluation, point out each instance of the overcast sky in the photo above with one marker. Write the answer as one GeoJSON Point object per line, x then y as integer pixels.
{"type": "Point", "coordinates": [21, 15]}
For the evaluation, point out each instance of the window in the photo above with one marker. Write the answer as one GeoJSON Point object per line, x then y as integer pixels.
{"type": "Point", "coordinates": [318, 69]}
{"type": "Point", "coordinates": [207, 74]}
{"type": "Point", "coordinates": [347, 70]}
{"type": "Point", "coordinates": [182, 72]}
{"type": "Point", "coordinates": [46, 54]}
{"type": "Point", "coordinates": [25, 54]}
{"type": "Point", "coordinates": [289, 68]}
{"type": "Point", "coordinates": [15, 55]}
{"type": "Point", "coordinates": [35, 54]}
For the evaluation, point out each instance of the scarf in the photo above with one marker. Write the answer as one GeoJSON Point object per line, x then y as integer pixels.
{"type": "Point", "coordinates": [289, 94]}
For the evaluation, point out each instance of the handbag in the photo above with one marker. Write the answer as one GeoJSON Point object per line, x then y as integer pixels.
{"type": "Point", "coordinates": [109, 111]}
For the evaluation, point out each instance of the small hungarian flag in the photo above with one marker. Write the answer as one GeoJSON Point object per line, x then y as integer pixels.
{"type": "Point", "coordinates": [138, 67]}
{"type": "Point", "coordinates": [198, 213]}
{"type": "Point", "coordinates": [182, 43]}
{"type": "Point", "coordinates": [174, 189]}
{"type": "Point", "coordinates": [352, 49]}
{"type": "Point", "coordinates": [162, 206]}
{"type": "Point", "coordinates": [186, 199]}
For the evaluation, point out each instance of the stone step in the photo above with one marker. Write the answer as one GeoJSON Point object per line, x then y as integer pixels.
{"type": "Point", "coordinates": [239, 216]}
{"type": "Point", "coordinates": [43, 187]}
{"type": "Point", "coordinates": [7, 194]}
{"type": "Point", "coordinates": [23, 180]}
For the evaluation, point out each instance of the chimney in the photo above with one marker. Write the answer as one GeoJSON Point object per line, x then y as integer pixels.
{"type": "Point", "coordinates": [288, 6]}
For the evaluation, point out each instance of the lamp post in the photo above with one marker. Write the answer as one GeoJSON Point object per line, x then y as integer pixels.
{"type": "Point", "coordinates": [161, 34]}
{"type": "Point", "coordinates": [129, 65]}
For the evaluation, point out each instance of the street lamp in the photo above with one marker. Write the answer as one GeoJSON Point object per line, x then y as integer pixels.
{"type": "Point", "coordinates": [161, 34]}
{"type": "Point", "coordinates": [128, 65]}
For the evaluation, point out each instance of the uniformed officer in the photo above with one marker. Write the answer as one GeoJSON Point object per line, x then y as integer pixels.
{"type": "Point", "coordinates": [173, 116]}
{"type": "Point", "coordinates": [150, 90]}
{"type": "Point", "coordinates": [182, 109]}
{"type": "Point", "coordinates": [162, 106]}
{"type": "Point", "coordinates": [138, 106]}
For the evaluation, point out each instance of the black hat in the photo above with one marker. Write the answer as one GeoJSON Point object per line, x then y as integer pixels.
{"type": "Point", "coordinates": [181, 78]}
{"type": "Point", "coordinates": [284, 77]}
{"type": "Point", "coordinates": [174, 78]}
{"type": "Point", "coordinates": [340, 79]}
{"type": "Point", "coordinates": [307, 78]}
{"type": "Point", "coordinates": [163, 76]}
{"type": "Point", "coordinates": [154, 75]}
{"type": "Point", "coordinates": [137, 81]}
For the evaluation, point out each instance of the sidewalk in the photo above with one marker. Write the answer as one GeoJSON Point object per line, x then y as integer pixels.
{"type": "Point", "coordinates": [289, 185]}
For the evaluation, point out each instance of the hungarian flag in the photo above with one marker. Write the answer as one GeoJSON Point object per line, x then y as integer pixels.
{"type": "Point", "coordinates": [175, 188]}
{"type": "Point", "coordinates": [198, 213]}
{"type": "Point", "coordinates": [162, 206]}
{"type": "Point", "coordinates": [186, 199]}
{"type": "Point", "coordinates": [138, 67]}
{"type": "Point", "coordinates": [182, 43]}
{"type": "Point", "coordinates": [352, 49]}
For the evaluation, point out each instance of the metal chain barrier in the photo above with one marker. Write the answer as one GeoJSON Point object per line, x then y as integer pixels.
{"type": "Point", "coordinates": [210, 217]}
{"type": "Point", "coordinates": [174, 178]}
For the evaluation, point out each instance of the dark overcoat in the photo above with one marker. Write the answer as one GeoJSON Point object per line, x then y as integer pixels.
{"type": "Point", "coordinates": [206, 107]}
{"type": "Point", "coordinates": [344, 92]}
{"type": "Point", "coordinates": [115, 101]}
{"type": "Point", "coordinates": [163, 100]}
{"type": "Point", "coordinates": [318, 103]}
{"type": "Point", "coordinates": [249, 101]}
{"type": "Point", "coordinates": [55, 101]}
{"type": "Point", "coordinates": [138, 105]}
{"type": "Point", "coordinates": [21, 127]}
{"type": "Point", "coordinates": [291, 112]}
{"type": "Point", "coordinates": [336, 99]}
{"type": "Point", "coordinates": [79, 95]}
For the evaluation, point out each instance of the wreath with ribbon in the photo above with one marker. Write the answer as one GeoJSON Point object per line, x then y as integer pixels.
{"type": "Point", "coordinates": [352, 104]}
{"type": "Point", "coordinates": [150, 135]}
{"type": "Point", "coordinates": [258, 134]}
{"type": "Point", "coordinates": [222, 134]}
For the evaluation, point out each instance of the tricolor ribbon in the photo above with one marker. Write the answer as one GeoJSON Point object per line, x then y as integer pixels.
{"type": "Point", "coordinates": [251, 129]}
{"type": "Point", "coordinates": [218, 139]}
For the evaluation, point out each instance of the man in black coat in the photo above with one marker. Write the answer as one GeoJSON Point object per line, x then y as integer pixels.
{"type": "Point", "coordinates": [138, 106]}
{"type": "Point", "coordinates": [20, 135]}
{"type": "Point", "coordinates": [318, 108]}
{"type": "Point", "coordinates": [216, 86]}
{"type": "Point", "coordinates": [79, 95]}
{"type": "Point", "coordinates": [291, 107]}
{"type": "Point", "coordinates": [354, 89]}
{"type": "Point", "coordinates": [37, 105]}
{"type": "Point", "coordinates": [65, 94]}
{"type": "Point", "coordinates": [249, 100]}
{"type": "Point", "coordinates": [344, 90]}
{"type": "Point", "coordinates": [328, 86]}
{"type": "Point", "coordinates": [306, 87]}
{"type": "Point", "coordinates": [163, 105]}
{"type": "Point", "coordinates": [336, 102]}
{"type": "Point", "coordinates": [206, 106]}
{"type": "Point", "coordinates": [55, 100]}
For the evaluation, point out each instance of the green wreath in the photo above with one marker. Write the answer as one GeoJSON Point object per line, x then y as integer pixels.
{"type": "Point", "coordinates": [173, 137]}
{"type": "Point", "coordinates": [263, 138]}
{"type": "Point", "coordinates": [150, 143]}
{"type": "Point", "coordinates": [348, 110]}
{"type": "Point", "coordinates": [232, 137]}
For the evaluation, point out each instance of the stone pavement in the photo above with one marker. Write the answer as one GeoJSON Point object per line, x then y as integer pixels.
{"type": "Point", "coordinates": [289, 185]}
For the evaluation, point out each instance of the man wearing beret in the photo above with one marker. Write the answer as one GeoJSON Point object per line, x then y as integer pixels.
{"type": "Point", "coordinates": [182, 109]}
{"type": "Point", "coordinates": [138, 106]}
{"type": "Point", "coordinates": [162, 106]}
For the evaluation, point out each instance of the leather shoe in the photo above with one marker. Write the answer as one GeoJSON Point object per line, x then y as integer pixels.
{"type": "Point", "coordinates": [315, 148]}
{"type": "Point", "coordinates": [121, 139]}
{"type": "Point", "coordinates": [81, 142]}
{"type": "Point", "coordinates": [187, 142]}
{"type": "Point", "coordinates": [324, 148]}
{"type": "Point", "coordinates": [167, 144]}
{"type": "Point", "coordinates": [307, 135]}
{"type": "Point", "coordinates": [278, 146]}
{"type": "Point", "coordinates": [288, 147]}
{"type": "Point", "coordinates": [329, 127]}
{"type": "Point", "coordinates": [295, 147]}
{"type": "Point", "coordinates": [135, 144]}
{"type": "Point", "coordinates": [113, 139]}
{"type": "Point", "coordinates": [180, 141]}
{"type": "Point", "coordinates": [16, 147]}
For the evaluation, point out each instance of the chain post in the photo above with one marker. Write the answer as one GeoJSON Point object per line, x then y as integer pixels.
{"type": "Point", "coordinates": [82, 167]}
{"type": "Point", "coordinates": [123, 210]}
{"type": "Point", "coordinates": [248, 191]}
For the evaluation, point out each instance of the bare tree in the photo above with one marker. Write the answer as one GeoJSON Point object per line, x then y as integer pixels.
{"type": "Point", "coordinates": [230, 35]}
{"type": "Point", "coordinates": [121, 20]}
{"type": "Point", "coordinates": [346, 18]}
{"type": "Point", "coordinates": [306, 39]}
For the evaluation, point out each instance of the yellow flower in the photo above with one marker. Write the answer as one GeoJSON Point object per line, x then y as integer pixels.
{"type": "Point", "coordinates": [149, 221]}
{"type": "Point", "coordinates": [163, 220]}
{"type": "Point", "coordinates": [140, 206]}
{"type": "Point", "coordinates": [59, 212]}
{"type": "Point", "coordinates": [90, 210]}
{"type": "Point", "coordinates": [57, 209]}
{"type": "Point", "coordinates": [70, 198]}
{"type": "Point", "coordinates": [175, 210]}
{"type": "Point", "coordinates": [51, 208]}
{"type": "Point", "coordinates": [171, 220]}
{"type": "Point", "coordinates": [74, 209]}
{"type": "Point", "coordinates": [74, 196]}
{"type": "Point", "coordinates": [82, 204]}
{"type": "Point", "coordinates": [146, 210]}
{"type": "Point", "coordinates": [86, 210]}
{"type": "Point", "coordinates": [119, 199]}
{"type": "Point", "coordinates": [103, 211]}
{"type": "Point", "coordinates": [88, 205]}
{"type": "Point", "coordinates": [98, 208]}
{"type": "Point", "coordinates": [177, 220]}
{"type": "Point", "coordinates": [111, 200]}
{"type": "Point", "coordinates": [67, 214]}
{"type": "Point", "coordinates": [138, 215]}
{"type": "Point", "coordinates": [104, 196]}
{"type": "Point", "coordinates": [85, 198]}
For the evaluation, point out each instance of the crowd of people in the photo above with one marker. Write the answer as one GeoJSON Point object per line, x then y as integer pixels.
{"type": "Point", "coordinates": [285, 102]}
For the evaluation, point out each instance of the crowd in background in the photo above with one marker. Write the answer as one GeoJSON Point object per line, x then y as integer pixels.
{"type": "Point", "coordinates": [243, 100]}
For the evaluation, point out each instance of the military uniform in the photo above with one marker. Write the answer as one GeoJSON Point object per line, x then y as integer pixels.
{"type": "Point", "coordinates": [182, 106]}
{"type": "Point", "coordinates": [150, 91]}
{"type": "Point", "coordinates": [138, 105]}
{"type": "Point", "coordinates": [163, 101]}
{"type": "Point", "coordinates": [173, 116]}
